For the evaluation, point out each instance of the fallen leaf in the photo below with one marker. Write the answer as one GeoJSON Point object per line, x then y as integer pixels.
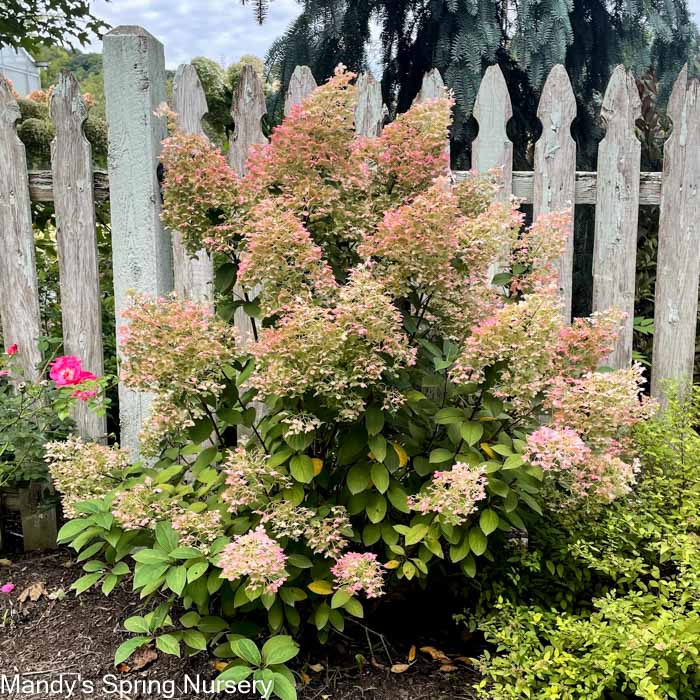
{"type": "Point", "coordinates": [33, 592]}
{"type": "Point", "coordinates": [58, 594]}
{"type": "Point", "coordinates": [316, 668]}
{"type": "Point", "coordinates": [465, 660]}
{"type": "Point", "coordinates": [5, 562]}
{"type": "Point", "coordinates": [436, 654]}
{"type": "Point", "coordinates": [447, 668]}
{"type": "Point", "coordinates": [305, 678]}
{"type": "Point", "coordinates": [145, 656]}
{"type": "Point", "coordinates": [220, 665]}
{"type": "Point", "coordinates": [400, 668]}
{"type": "Point", "coordinates": [412, 653]}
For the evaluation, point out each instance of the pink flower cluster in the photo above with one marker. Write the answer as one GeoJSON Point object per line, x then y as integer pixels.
{"type": "Point", "coordinates": [417, 241]}
{"type": "Point", "coordinates": [334, 353]}
{"type": "Point", "coordinates": [454, 495]}
{"type": "Point", "coordinates": [326, 535]}
{"type": "Point", "coordinates": [198, 530]}
{"type": "Point", "coordinates": [200, 190]}
{"type": "Point", "coordinates": [174, 347]}
{"type": "Point", "coordinates": [556, 450]}
{"type": "Point", "coordinates": [521, 336]}
{"type": "Point", "coordinates": [166, 421]}
{"type": "Point", "coordinates": [583, 474]}
{"type": "Point", "coordinates": [144, 505]}
{"type": "Point", "coordinates": [309, 165]}
{"type": "Point", "coordinates": [355, 572]}
{"type": "Point", "coordinates": [600, 406]}
{"type": "Point", "coordinates": [606, 477]}
{"type": "Point", "coordinates": [411, 151]}
{"type": "Point", "coordinates": [256, 556]}
{"type": "Point", "coordinates": [84, 471]}
{"type": "Point", "coordinates": [249, 477]}
{"type": "Point", "coordinates": [11, 351]}
{"type": "Point", "coordinates": [68, 371]}
{"type": "Point", "coordinates": [584, 344]}
{"type": "Point", "coordinates": [141, 506]}
{"type": "Point", "coordinates": [538, 251]}
{"type": "Point", "coordinates": [281, 255]}
{"type": "Point", "coordinates": [535, 346]}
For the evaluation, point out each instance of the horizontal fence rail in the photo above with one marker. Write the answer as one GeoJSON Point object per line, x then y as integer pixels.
{"type": "Point", "coordinates": [585, 186]}
{"type": "Point", "coordinates": [150, 260]}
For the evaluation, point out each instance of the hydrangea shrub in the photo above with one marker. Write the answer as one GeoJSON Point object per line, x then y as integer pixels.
{"type": "Point", "coordinates": [415, 410]}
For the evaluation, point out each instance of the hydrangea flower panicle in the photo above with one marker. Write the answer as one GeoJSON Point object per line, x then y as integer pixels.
{"type": "Point", "coordinates": [355, 572]}
{"type": "Point", "coordinates": [84, 471]}
{"type": "Point", "coordinates": [453, 495]}
{"type": "Point", "coordinates": [256, 556]}
{"type": "Point", "coordinates": [174, 347]}
{"type": "Point", "coordinates": [249, 477]}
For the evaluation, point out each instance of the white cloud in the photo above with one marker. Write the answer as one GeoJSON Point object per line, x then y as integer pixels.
{"type": "Point", "coordinates": [220, 29]}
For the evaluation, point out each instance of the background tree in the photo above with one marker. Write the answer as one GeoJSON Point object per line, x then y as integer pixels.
{"type": "Point", "coordinates": [219, 83]}
{"type": "Point", "coordinates": [30, 23]}
{"type": "Point", "coordinates": [461, 37]}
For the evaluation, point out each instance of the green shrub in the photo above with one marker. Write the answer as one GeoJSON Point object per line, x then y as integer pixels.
{"type": "Point", "coordinates": [629, 625]}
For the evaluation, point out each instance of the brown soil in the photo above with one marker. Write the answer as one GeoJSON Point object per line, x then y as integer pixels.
{"type": "Point", "coordinates": [64, 634]}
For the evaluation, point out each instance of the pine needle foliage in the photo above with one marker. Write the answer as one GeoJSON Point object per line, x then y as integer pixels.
{"type": "Point", "coordinates": [462, 37]}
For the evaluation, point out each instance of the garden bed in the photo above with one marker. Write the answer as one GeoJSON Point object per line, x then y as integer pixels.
{"type": "Point", "coordinates": [67, 634]}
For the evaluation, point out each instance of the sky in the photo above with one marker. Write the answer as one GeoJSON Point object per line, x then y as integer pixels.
{"type": "Point", "coordinates": [220, 29]}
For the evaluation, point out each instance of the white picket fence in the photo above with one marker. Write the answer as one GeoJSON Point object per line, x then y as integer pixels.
{"type": "Point", "coordinates": [148, 259]}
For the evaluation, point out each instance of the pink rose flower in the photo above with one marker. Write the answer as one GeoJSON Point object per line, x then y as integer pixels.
{"type": "Point", "coordinates": [12, 350]}
{"type": "Point", "coordinates": [68, 371]}
{"type": "Point", "coordinates": [7, 588]}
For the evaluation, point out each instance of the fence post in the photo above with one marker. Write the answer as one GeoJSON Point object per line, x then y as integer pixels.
{"type": "Point", "coordinates": [79, 276]}
{"type": "Point", "coordinates": [193, 276]}
{"type": "Point", "coordinates": [678, 258]}
{"type": "Point", "coordinates": [432, 87]}
{"type": "Point", "coordinates": [19, 296]}
{"type": "Point", "coordinates": [617, 209]}
{"type": "Point", "coordinates": [555, 168]}
{"type": "Point", "coordinates": [492, 148]}
{"type": "Point", "coordinates": [134, 70]}
{"type": "Point", "coordinates": [301, 84]}
{"type": "Point", "coordinates": [247, 109]}
{"type": "Point", "coordinates": [369, 112]}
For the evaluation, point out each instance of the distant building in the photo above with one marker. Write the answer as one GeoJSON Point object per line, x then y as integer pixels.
{"type": "Point", "coordinates": [18, 66]}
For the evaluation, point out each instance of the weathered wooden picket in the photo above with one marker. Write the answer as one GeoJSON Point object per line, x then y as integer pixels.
{"type": "Point", "coordinates": [149, 260]}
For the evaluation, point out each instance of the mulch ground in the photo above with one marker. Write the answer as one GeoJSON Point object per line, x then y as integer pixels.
{"type": "Point", "coordinates": [60, 633]}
